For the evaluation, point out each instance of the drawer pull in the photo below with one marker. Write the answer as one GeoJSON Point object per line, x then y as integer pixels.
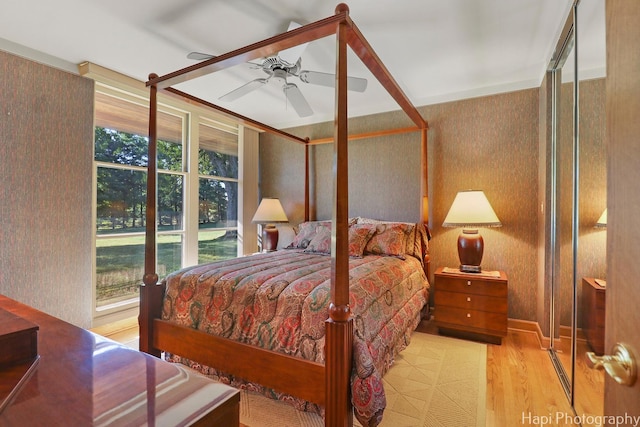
{"type": "Point", "coordinates": [468, 314]}
{"type": "Point", "coordinates": [468, 282]}
{"type": "Point", "coordinates": [468, 299]}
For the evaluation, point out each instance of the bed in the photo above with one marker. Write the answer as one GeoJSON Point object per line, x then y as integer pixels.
{"type": "Point", "coordinates": [338, 353]}
{"type": "Point", "coordinates": [280, 301]}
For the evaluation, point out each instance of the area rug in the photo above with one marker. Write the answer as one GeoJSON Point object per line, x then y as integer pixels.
{"type": "Point", "coordinates": [435, 382]}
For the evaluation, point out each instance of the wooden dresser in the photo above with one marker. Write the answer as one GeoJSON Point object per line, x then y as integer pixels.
{"type": "Point", "coordinates": [593, 307]}
{"type": "Point", "coordinates": [471, 305]}
{"type": "Point", "coordinates": [83, 379]}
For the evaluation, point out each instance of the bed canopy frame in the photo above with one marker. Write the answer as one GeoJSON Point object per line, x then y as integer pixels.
{"type": "Point", "coordinates": [328, 384]}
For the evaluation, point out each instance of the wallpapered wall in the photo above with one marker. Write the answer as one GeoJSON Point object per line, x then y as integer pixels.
{"type": "Point", "coordinates": [384, 173]}
{"type": "Point", "coordinates": [46, 137]}
{"type": "Point", "coordinates": [490, 144]}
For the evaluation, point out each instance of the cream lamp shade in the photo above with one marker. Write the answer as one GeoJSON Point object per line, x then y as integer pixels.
{"type": "Point", "coordinates": [471, 209]}
{"type": "Point", "coordinates": [602, 221]}
{"type": "Point", "coordinates": [269, 212]}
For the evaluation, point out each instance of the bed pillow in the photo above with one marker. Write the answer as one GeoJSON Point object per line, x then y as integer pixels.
{"type": "Point", "coordinates": [359, 236]}
{"type": "Point", "coordinates": [321, 242]}
{"type": "Point", "coordinates": [417, 236]}
{"type": "Point", "coordinates": [286, 234]}
{"type": "Point", "coordinates": [306, 232]}
{"type": "Point", "coordinates": [389, 239]}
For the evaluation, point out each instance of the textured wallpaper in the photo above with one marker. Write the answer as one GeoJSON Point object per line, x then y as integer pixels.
{"type": "Point", "coordinates": [490, 144]}
{"type": "Point", "coordinates": [46, 149]}
{"type": "Point", "coordinates": [384, 172]}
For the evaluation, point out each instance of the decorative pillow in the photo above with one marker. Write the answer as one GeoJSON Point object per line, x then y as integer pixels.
{"type": "Point", "coordinates": [389, 239]}
{"type": "Point", "coordinates": [359, 235]}
{"type": "Point", "coordinates": [321, 242]}
{"type": "Point", "coordinates": [286, 234]}
{"type": "Point", "coordinates": [306, 233]}
{"type": "Point", "coordinates": [416, 236]}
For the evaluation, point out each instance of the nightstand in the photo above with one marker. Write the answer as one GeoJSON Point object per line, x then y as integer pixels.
{"type": "Point", "coordinates": [593, 304]}
{"type": "Point", "coordinates": [471, 305]}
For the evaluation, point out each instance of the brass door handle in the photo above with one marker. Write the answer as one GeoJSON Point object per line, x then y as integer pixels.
{"type": "Point", "coordinates": [621, 366]}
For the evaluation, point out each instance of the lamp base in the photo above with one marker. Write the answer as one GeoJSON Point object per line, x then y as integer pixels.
{"type": "Point", "coordinates": [269, 238]}
{"type": "Point", "coordinates": [470, 250]}
{"type": "Point", "coordinates": [470, 268]}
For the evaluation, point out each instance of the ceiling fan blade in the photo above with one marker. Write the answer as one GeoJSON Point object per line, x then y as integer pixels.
{"type": "Point", "coordinates": [357, 84]}
{"type": "Point", "coordinates": [297, 100]}
{"type": "Point", "coordinates": [294, 53]}
{"type": "Point", "coordinates": [199, 56]}
{"type": "Point", "coordinates": [243, 90]}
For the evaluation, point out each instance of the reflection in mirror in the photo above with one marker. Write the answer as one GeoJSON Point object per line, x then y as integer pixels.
{"type": "Point", "coordinates": [588, 394]}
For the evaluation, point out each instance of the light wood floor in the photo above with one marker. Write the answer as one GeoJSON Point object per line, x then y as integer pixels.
{"type": "Point", "coordinates": [521, 381]}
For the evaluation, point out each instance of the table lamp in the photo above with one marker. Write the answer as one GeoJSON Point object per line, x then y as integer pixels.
{"type": "Point", "coordinates": [269, 212]}
{"type": "Point", "coordinates": [602, 221]}
{"type": "Point", "coordinates": [470, 210]}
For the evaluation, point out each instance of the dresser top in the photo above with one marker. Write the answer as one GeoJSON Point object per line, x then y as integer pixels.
{"type": "Point", "coordinates": [82, 378]}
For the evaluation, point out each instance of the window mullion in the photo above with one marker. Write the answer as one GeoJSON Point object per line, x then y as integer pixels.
{"type": "Point", "coordinates": [191, 195]}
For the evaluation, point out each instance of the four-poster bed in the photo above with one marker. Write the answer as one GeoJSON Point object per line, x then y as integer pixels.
{"type": "Point", "coordinates": [325, 384]}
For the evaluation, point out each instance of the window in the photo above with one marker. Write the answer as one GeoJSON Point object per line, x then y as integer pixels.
{"type": "Point", "coordinates": [120, 159]}
{"type": "Point", "coordinates": [218, 193]}
{"type": "Point", "coordinates": [121, 178]}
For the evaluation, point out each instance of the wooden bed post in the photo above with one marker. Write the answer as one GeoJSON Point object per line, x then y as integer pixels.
{"type": "Point", "coordinates": [306, 181]}
{"type": "Point", "coordinates": [150, 293]}
{"type": "Point", "coordinates": [425, 177]}
{"type": "Point", "coordinates": [339, 326]}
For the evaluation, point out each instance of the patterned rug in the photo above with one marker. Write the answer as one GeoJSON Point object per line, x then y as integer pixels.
{"type": "Point", "coordinates": [435, 382]}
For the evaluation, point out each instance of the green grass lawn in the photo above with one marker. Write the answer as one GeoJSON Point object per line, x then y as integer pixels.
{"type": "Point", "coordinates": [120, 261]}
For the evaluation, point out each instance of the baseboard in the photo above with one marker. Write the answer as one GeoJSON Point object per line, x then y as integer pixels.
{"type": "Point", "coordinates": [530, 326]}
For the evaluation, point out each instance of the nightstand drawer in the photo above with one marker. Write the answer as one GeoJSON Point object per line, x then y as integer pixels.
{"type": "Point", "coordinates": [469, 301]}
{"type": "Point", "coordinates": [471, 320]}
{"type": "Point", "coordinates": [495, 288]}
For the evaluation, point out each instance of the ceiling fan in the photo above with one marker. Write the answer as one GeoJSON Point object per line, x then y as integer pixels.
{"type": "Point", "coordinates": [287, 63]}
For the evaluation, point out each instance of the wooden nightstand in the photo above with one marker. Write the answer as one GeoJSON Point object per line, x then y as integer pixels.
{"type": "Point", "coordinates": [471, 305]}
{"type": "Point", "coordinates": [593, 304]}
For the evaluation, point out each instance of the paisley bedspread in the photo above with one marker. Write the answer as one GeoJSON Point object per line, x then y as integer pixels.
{"type": "Point", "coordinates": [280, 300]}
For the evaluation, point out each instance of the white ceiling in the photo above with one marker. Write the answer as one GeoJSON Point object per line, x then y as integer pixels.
{"type": "Point", "coordinates": [437, 50]}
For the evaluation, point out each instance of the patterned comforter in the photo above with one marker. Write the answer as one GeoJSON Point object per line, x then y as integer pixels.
{"type": "Point", "coordinates": [280, 300]}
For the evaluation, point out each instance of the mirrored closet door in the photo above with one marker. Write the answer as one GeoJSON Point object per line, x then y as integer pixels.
{"type": "Point", "coordinates": [563, 198]}
{"type": "Point", "coordinates": [577, 203]}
